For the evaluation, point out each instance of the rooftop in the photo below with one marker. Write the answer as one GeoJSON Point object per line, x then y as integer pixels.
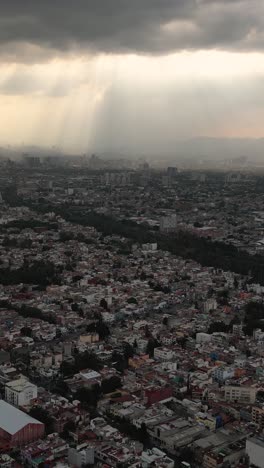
{"type": "Point", "coordinates": [12, 419]}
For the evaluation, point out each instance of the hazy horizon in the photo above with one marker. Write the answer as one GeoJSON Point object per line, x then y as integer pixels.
{"type": "Point", "coordinates": [135, 77]}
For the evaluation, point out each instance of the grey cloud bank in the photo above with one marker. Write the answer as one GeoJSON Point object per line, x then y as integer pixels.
{"type": "Point", "coordinates": [123, 26]}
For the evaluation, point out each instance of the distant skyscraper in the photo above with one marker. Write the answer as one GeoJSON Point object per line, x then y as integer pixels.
{"type": "Point", "coordinates": [172, 171]}
{"type": "Point", "coordinates": [168, 223]}
{"type": "Point", "coordinates": [31, 161]}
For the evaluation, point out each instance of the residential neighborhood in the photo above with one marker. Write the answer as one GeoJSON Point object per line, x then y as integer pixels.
{"type": "Point", "coordinates": [115, 352]}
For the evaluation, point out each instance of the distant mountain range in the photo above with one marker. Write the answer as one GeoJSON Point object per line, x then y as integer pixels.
{"type": "Point", "coordinates": [221, 148]}
{"type": "Point", "coordinates": [194, 149]}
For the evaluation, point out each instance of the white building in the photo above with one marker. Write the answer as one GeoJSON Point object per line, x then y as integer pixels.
{"type": "Point", "coordinates": [221, 374]}
{"type": "Point", "coordinates": [258, 335]}
{"type": "Point", "coordinates": [150, 247]}
{"type": "Point", "coordinates": [116, 178]}
{"type": "Point", "coordinates": [210, 304]}
{"type": "Point", "coordinates": [233, 177]}
{"type": "Point", "coordinates": [163, 354]}
{"type": "Point", "coordinates": [255, 451]}
{"type": "Point", "coordinates": [157, 458]}
{"type": "Point", "coordinates": [81, 455]}
{"type": "Point", "coordinates": [20, 392]}
{"type": "Point", "coordinates": [238, 329]}
{"type": "Point", "coordinates": [88, 375]}
{"type": "Point", "coordinates": [240, 394]}
{"type": "Point", "coordinates": [170, 366]}
{"type": "Point", "coordinates": [203, 338]}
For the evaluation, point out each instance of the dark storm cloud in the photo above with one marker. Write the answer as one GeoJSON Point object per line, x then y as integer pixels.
{"type": "Point", "coordinates": [142, 26]}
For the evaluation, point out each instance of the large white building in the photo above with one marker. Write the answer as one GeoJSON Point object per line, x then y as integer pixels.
{"type": "Point", "coordinates": [163, 354]}
{"type": "Point", "coordinates": [240, 394]}
{"type": "Point", "coordinates": [20, 392]}
{"type": "Point", "coordinates": [255, 451]}
{"type": "Point", "coordinates": [221, 373]}
{"type": "Point", "coordinates": [203, 338]}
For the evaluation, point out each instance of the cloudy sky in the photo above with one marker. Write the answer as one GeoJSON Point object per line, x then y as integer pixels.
{"type": "Point", "coordinates": [130, 76]}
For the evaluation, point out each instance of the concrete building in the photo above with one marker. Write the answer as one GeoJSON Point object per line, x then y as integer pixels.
{"type": "Point", "coordinates": [228, 455]}
{"type": "Point", "coordinates": [17, 428]}
{"type": "Point", "coordinates": [168, 223]}
{"type": "Point", "coordinates": [221, 374]}
{"type": "Point", "coordinates": [156, 457]}
{"type": "Point", "coordinates": [6, 461]}
{"type": "Point", "coordinates": [67, 349]}
{"type": "Point", "coordinates": [31, 161]}
{"type": "Point", "coordinates": [258, 335]}
{"type": "Point", "coordinates": [172, 171]}
{"type": "Point", "coordinates": [81, 455]}
{"type": "Point", "coordinates": [233, 177]}
{"type": "Point", "coordinates": [238, 329]}
{"type": "Point", "coordinates": [116, 178]}
{"type": "Point", "coordinates": [20, 392]}
{"type": "Point", "coordinates": [210, 304]}
{"type": "Point", "coordinates": [89, 338]}
{"type": "Point", "coordinates": [240, 394]}
{"type": "Point", "coordinates": [255, 451]}
{"type": "Point", "coordinates": [163, 354]}
{"type": "Point", "coordinates": [150, 247]}
{"type": "Point", "coordinates": [258, 416]}
{"type": "Point", "coordinates": [203, 338]}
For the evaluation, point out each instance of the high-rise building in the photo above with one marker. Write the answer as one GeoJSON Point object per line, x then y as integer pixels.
{"type": "Point", "coordinates": [31, 161]}
{"type": "Point", "coordinates": [255, 451]}
{"type": "Point", "coordinates": [172, 171]}
{"type": "Point", "coordinates": [168, 223]}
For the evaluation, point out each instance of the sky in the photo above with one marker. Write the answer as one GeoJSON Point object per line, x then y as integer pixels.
{"type": "Point", "coordinates": [130, 76]}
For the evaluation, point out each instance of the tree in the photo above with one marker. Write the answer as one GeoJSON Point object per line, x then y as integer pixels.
{"type": "Point", "coordinates": [26, 331]}
{"type": "Point", "coordinates": [165, 321]}
{"type": "Point", "coordinates": [143, 435]}
{"type": "Point", "coordinates": [254, 315]}
{"type": "Point", "coordinates": [119, 362]}
{"type": "Point", "coordinates": [128, 351]}
{"type": "Point", "coordinates": [103, 304]}
{"type": "Point", "coordinates": [112, 384]}
{"type": "Point", "coordinates": [39, 272]}
{"type": "Point", "coordinates": [66, 236]}
{"type": "Point", "coordinates": [218, 327]}
{"type": "Point", "coordinates": [87, 360]}
{"type": "Point", "coordinates": [187, 245]}
{"type": "Point", "coordinates": [103, 330]}
{"type": "Point", "coordinates": [99, 327]}
{"type": "Point", "coordinates": [187, 455]}
{"type": "Point", "coordinates": [152, 344]}
{"type": "Point", "coordinates": [42, 415]}
{"type": "Point", "coordinates": [147, 332]}
{"type": "Point", "coordinates": [132, 300]}
{"type": "Point", "coordinates": [88, 396]}
{"type": "Point", "coordinates": [68, 368]}
{"type": "Point", "coordinates": [60, 387]}
{"type": "Point", "coordinates": [68, 427]}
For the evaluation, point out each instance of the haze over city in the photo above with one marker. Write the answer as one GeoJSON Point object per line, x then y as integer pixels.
{"type": "Point", "coordinates": [133, 77]}
{"type": "Point", "coordinates": [131, 234]}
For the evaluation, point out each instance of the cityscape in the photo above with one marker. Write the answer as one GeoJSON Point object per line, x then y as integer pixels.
{"type": "Point", "coordinates": [132, 316]}
{"type": "Point", "coordinates": [131, 234]}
